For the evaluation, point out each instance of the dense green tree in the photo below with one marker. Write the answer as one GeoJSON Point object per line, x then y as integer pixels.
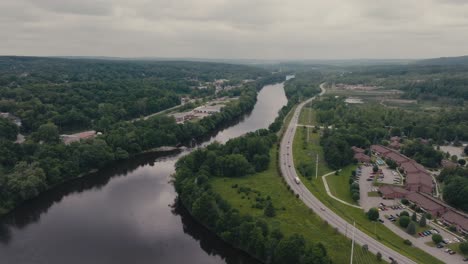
{"type": "Point", "coordinates": [48, 133]}
{"type": "Point", "coordinates": [463, 246]}
{"type": "Point", "coordinates": [436, 238]}
{"type": "Point", "coordinates": [422, 221]}
{"type": "Point", "coordinates": [414, 217]}
{"type": "Point", "coordinates": [373, 214]}
{"type": "Point", "coordinates": [289, 250]}
{"type": "Point", "coordinates": [411, 228]}
{"type": "Point", "coordinates": [404, 221]}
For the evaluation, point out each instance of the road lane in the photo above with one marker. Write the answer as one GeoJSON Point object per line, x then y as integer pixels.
{"type": "Point", "coordinates": [289, 173]}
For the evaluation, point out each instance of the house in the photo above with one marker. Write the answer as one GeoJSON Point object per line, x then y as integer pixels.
{"type": "Point", "coordinates": [457, 219]}
{"type": "Point", "coordinates": [392, 192]}
{"type": "Point", "coordinates": [412, 167]}
{"type": "Point", "coordinates": [68, 139]}
{"type": "Point", "coordinates": [427, 203]}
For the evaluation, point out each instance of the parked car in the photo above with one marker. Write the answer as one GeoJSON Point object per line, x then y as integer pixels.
{"type": "Point", "coordinates": [451, 252]}
{"type": "Point", "coordinates": [381, 221]}
{"type": "Point", "coordinates": [440, 245]}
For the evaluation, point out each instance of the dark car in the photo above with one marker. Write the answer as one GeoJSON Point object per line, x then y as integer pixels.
{"type": "Point", "coordinates": [440, 246]}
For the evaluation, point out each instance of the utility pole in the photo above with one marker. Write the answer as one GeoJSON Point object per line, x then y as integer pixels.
{"type": "Point", "coordinates": [308, 133]}
{"type": "Point", "coordinates": [316, 167]}
{"type": "Point", "coordinates": [352, 244]}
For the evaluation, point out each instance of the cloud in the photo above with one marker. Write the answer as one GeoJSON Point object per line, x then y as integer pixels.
{"type": "Point", "coordinates": [297, 29]}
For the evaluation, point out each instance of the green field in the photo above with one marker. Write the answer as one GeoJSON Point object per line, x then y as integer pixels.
{"type": "Point", "coordinates": [292, 215]}
{"type": "Point", "coordinates": [339, 184]}
{"type": "Point", "coordinates": [350, 214]}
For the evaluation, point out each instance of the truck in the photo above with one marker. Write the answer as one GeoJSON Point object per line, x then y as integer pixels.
{"type": "Point", "coordinates": [296, 179]}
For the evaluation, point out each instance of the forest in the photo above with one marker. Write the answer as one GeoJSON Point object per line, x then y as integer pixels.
{"type": "Point", "coordinates": [84, 94]}
{"type": "Point", "coordinates": [363, 125]}
{"type": "Point", "coordinates": [455, 190]}
{"type": "Point", "coordinates": [239, 157]}
{"type": "Point", "coordinates": [422, 81]}
{"type": "Point", "coordinates": [43, 161]}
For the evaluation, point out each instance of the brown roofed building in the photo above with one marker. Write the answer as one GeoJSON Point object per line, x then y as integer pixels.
{"type": "Point", "coordinates": [395, 145]}
{"type": "Point", "coordinates": [412, 167]}
{"type": "Point", "coordinates": [380, 150]}
{"type": "Point", "coordinates": [361, 157]}
{"type": "Point", "coordinates": [392, 192]}
{"type": "Point", "coordinates": [396, 157]}
{"type": "Point", "coordinates": [357, 149]}
{"type": "Point", "coordinates": [419, 181]}
{"type": "Point", "coordinates": [448, 164]}
{"type": "Point", "coordinates": [427, 203]}
{"type": "Point", "coordinates": [457, 219]}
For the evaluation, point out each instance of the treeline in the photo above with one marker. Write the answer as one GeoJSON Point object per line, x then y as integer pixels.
{"type": "Point", "coordinates": [38, 164]}
{"type": "Point", "coordinates": [237, 158]}
{"type": "Point", "coordinates": [455, 191]}
{"type": "Point", "coordinates": [83, 94]}
{"type": "Point", "coordinates": [418, 81]}
{"type": "Point", "coordinates": [424, 154]}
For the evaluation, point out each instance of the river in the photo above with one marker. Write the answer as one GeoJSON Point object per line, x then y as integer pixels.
{"type": "Point", "coordinates": [125, 213]}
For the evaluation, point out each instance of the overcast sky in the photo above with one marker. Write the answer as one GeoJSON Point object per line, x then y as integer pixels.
{"type": "Point", "coordinates": [260, 29]}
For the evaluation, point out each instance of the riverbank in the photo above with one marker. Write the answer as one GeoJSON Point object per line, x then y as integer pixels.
{"type": "Point", "coordinates": [109, 148]}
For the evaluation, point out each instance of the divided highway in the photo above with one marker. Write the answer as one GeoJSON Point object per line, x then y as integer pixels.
{"type": "Point", "coordinates": [289, 173]}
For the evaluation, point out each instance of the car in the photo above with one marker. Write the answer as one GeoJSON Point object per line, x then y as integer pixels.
{"type": "Point", "coordinates": [447, 250]}
{"type": "Point", "coordinates": [465, 259]}
{"type": "Point", "coordinates": [420, 234]}
{"type": "Point", "coordinates": [452, 252]}
{"type": "Point", "coordinates": [381, 221]}
{"type": "Point", "coordinates": [440, 246]}
{"type": "Point", "coordinates": [397, 215]}
{"type": "Point", "coordinates": [456, 239]}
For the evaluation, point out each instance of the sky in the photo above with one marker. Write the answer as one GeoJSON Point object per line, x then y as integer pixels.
{"type": "Point", "coordinates": [235, 29]}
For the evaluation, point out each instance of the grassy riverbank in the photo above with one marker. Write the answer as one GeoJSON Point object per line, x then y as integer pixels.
{"type": "Point", "coordinates": [316, 186]}
{"type": "Point", "coordinates": [292, 216]}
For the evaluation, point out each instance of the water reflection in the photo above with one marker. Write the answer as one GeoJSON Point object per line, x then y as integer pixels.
{"type": "Point", "coordinates": [125, 213]}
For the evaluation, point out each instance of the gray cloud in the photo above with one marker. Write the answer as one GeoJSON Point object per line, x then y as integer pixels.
{"type": "Point", "coordinates": [297, 29]}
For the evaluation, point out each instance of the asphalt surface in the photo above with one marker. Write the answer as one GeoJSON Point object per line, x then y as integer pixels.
{"type": "Point", "coordinates": [289, 173]}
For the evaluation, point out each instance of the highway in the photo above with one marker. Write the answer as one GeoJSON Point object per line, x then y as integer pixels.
{"type": "Point", "coordinates": [289, 173]}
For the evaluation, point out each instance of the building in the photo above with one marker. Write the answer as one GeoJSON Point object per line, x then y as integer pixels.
{"type": "Point", "coordinates": [208, 109]}
{"type": "Point", "coordinates": [363, 158]}
{"type": "Point", "coordinates": [392, 192]}
{"type": "Point", "coordinates": [457, 219]}
{"type": "Point", "coordinates": [419, 182]}
{"type": "Point", "coordinates": [448, 164]}
{"type": "Point", "coordinates": [380, 150]}
{"type": "Point", "coordinates": [182, 117]}
{"type": "Point", "coordinates": [16, 120]}
{"type": "Point", "coordinates": [427, 203]}
{"type": "Point", "coordinates": [68, 139]}
{"type": "Point", "coordinates": [396, 157]}
{"type": "Point", "coordinates": [357, 149]}
{"type": "Point", "coordinates": [395, 145]}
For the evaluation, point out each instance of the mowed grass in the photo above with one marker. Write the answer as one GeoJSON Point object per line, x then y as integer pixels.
{"type": "Point", "coordinates": [292, 216]}
{"type": "Point", "coordinates": [339, 184]}
{"type": "Point", "coordinates": [351, 214]}
{"type": "Point", "coordinates": [307, 116]}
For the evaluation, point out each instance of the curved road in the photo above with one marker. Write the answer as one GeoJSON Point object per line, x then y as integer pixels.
{"type": "Point", "coordinates": [289, 173]}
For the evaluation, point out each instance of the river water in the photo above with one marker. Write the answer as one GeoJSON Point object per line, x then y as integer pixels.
{"type": "Point", "coordinates": [125, 214]}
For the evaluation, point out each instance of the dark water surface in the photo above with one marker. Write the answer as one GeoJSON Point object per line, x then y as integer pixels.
{"type": "Point", "coordinates": [124, 214]}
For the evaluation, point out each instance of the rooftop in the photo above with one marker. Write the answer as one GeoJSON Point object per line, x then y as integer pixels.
{"type": "Point", "coordinates": [424, 201]}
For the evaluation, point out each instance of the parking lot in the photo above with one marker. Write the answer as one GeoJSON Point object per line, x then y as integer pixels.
{"type": "Point", "coordinates": [389, 211]}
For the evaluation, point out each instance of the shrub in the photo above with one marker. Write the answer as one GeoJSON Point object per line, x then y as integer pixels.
{"type": "Point", "coordinates": [422, 221]}
{"type": "Point", "coordinates": [414, 217]}
{"type": "Point", "coordinates": [453, 228]}
{"type": "Point", "coordinates": [404, 201]}
{"type": "Point", "coordinates": [379, 256]}
{"type": "Point", "coordinates": [428, 216]}
{"type": "Point", "coordinates": [407, 242]}
{"type": "Point", "coordinates": [463, 247]}
{"type": "Point", "coordinates": [404, 213]}
{"type": "Point", "coordinates": [356, 196]}
{"type": "Point", "coordinates": [269, 210]}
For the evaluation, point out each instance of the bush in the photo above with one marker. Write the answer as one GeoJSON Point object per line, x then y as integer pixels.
{"type": "Point", "coordinates": [463, 247]}
{"type": "Point", "coordinates": [453, 228]}
{"type": "Point", "coordinates": [404, 201]}
{"type": "Point", "coordinates": [407, 242]}
{"type": "Point", "coordinates": [356, 196]}
{"type": "Point", "coordinates": [379, 256]}
{"type": "Point", "coordinates": [404, 213]}
{"type": "Point", "coordinates": [269, 210]}
{"type": "Point", "coordinates": [404, 221]}
{"type": "Point", "coordinates": [436, 238]}
{"type": "Point", "coordinates": [428, 216]}
{"type": "Point", "coordinates": [411, 229]}
{"type": "Point", "coordinates": [373, 214]}
{"type": "Point", "coordinates": [422, 221]}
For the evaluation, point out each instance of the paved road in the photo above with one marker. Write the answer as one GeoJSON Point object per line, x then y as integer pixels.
{"type": "Point", "coordinates": [289, 173]}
